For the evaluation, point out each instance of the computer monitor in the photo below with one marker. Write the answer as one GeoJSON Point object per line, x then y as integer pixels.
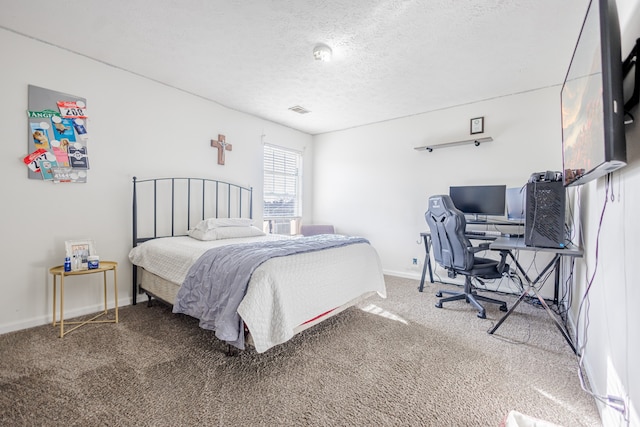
{"type": "Point", "coordinates": [479, 199]}
{"type": "Point", "coordinates": [516, 204]}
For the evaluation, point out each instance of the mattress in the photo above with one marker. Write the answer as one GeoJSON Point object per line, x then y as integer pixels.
{"type": "Point", "coordinates": [285, 294]}
{"type": "Point", "coordinates": [167, 291]}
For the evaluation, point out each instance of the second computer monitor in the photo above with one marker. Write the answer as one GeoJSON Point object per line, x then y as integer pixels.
{"type": "Point", "coordinates": [479, 200]}
{"type": "Point", "coordinates": [516, 204]}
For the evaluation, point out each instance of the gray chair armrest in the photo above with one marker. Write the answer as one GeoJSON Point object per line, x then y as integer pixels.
{"type": "Point", "coordinates": [481, 247]}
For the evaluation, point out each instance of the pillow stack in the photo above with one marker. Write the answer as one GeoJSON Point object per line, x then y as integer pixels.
{"type": "Point", "coordinates": [224, 228]}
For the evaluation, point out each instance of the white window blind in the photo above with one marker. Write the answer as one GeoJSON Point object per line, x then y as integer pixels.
{"type": "Point", "coordinates": [282, 182]}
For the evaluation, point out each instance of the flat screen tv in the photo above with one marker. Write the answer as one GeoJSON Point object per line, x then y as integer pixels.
{"type": "Point", "coordinates": [593, 139]}
{"type": "Point", "coordinates": [479, 199]}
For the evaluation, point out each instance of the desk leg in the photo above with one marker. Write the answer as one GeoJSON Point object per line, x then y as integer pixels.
{"type": "Point", "coordinates": [427, 264]}
{"type": "Point", "coordinates": [558, 325]}
{"type": "Point", "coordinates": [513, 307]}
{"type": "Point", "coordinates": [427, 244]}
{"type": "Point", "coordinates": [556, 286]}
{"type": "Point", "coordinates": [531, 288]}
{"type": "Point", "coordinates": [424, 273]}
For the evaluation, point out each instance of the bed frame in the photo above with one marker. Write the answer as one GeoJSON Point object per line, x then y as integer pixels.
{"type": "Point", "coordinates": [170, 206]}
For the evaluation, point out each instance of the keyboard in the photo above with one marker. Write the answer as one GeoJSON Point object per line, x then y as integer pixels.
{"type": "Point", "coordinates": [482, 233]}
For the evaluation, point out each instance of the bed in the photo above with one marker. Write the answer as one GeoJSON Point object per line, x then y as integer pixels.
{"type": "Point", "coordinates": [195, 247]}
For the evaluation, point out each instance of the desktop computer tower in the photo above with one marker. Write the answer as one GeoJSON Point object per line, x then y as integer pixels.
{"type": "Point", "coordinates": [544, 214]}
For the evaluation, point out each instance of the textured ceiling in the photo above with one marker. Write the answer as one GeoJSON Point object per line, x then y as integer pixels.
{"type": "Point", "coordinates": [391, 58]}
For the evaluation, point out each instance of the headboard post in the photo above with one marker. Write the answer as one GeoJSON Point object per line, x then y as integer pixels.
{"type": "Point", "coordinates": [135, 241]}
{"type": "Point", "coordinates": [173, 205]}
{"type": "Point", "coordinates": [156, 212]}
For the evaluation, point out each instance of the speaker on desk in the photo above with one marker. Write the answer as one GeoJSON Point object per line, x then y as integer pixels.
{"type": "Point", "coordinates": [544, 214]}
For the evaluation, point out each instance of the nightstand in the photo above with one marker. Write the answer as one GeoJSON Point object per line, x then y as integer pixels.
{"type": "Point", "coordinates": [105, 266]}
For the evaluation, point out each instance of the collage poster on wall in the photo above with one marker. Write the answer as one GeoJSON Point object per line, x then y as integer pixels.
{"type": "Point", "coordinates": [58, 137]}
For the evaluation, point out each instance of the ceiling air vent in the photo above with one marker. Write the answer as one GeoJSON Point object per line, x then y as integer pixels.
{"type": "Point", "coordinates": [300, 110]}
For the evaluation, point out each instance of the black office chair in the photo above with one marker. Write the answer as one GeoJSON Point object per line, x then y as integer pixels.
{"type": "Point", "coordinates": [453, 251]}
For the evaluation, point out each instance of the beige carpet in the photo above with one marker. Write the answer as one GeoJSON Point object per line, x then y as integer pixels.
{"type": "Point", "coordinates": [401, 361]}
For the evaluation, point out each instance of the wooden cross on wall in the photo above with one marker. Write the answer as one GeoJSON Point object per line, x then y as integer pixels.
{"type": "Point", "coordinates": [222, 146]}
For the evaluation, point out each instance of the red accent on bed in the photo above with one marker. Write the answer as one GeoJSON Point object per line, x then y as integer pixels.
{"type": "Point", "coordinates": [319, 316]}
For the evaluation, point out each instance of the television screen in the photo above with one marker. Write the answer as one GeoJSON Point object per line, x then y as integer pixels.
{"type": "Point", "coordinates": [593, 140]}
{"type": "Point", "coordinates": [479, 199]}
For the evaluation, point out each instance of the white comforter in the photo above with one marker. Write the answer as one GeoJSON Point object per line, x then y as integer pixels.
{"type": "Point", "coordinates": [283, 292]}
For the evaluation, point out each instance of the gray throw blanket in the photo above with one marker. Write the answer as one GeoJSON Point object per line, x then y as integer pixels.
{"type": "Point", "coordinates": [217, 282]}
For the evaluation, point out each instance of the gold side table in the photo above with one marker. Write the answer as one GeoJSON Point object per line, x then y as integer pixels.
{"type": "Point", "coordinates": [104, 267]}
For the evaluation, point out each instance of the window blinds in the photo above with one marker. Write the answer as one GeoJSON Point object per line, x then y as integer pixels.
{"type": "Point", "coordinates": [281, 182]}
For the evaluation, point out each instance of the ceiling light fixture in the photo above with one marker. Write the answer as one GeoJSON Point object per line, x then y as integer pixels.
{"type": "Point", "coordinates": [322, 52]}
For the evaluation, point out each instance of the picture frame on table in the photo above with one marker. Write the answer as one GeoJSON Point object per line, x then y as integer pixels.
{"type": "Point", "coordinates": [79, 251]}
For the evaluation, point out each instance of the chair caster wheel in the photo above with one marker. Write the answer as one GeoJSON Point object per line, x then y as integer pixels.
{"type": "Point", "coordinates": [503, 308]}
{"type": "Point", "coordinates": [482, 315]}
{"type": "Point", "coordinates": [438, 294]}
{"type": "Point", "coordinates": [439, 304]}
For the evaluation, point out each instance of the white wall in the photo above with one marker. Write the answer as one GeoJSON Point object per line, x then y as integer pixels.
{"type": "Point", "coordinates": [370, 181]}
{"type": "Point", "coordinates": [609, 317]}
{"type": "Point", "coordinates": [138, 128]}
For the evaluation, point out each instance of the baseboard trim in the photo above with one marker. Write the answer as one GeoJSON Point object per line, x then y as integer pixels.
{"type": "Point", "coordinates": [46, 319]}
{"type": "Point", "coordinates": [403, 274]}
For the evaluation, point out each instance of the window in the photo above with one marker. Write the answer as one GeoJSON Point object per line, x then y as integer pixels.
{"type": "Point", "coordinates": [282, 190]}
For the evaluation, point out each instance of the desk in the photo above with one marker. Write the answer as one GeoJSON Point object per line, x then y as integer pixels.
{"type": "Point", "coordinates": [513, 244]}
{"type": "Point", "coordinates": [104, 267]}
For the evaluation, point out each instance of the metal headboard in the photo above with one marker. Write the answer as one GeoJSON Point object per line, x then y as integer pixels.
{"type": "Point", "coordinates": [174, 205]}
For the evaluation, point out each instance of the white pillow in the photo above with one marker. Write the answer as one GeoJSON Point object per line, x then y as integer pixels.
{"type": "Point", "coordinates": [225, 233]}
{"type": "Point", "coordinates": [211, 223]}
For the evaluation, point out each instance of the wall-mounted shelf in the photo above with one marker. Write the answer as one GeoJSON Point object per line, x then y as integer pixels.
{"type": "Point", "coordinates": [474, 141]}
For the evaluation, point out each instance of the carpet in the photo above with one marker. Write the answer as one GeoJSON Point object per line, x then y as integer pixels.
{"type": "Point", "coordinates": [388, 362]}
